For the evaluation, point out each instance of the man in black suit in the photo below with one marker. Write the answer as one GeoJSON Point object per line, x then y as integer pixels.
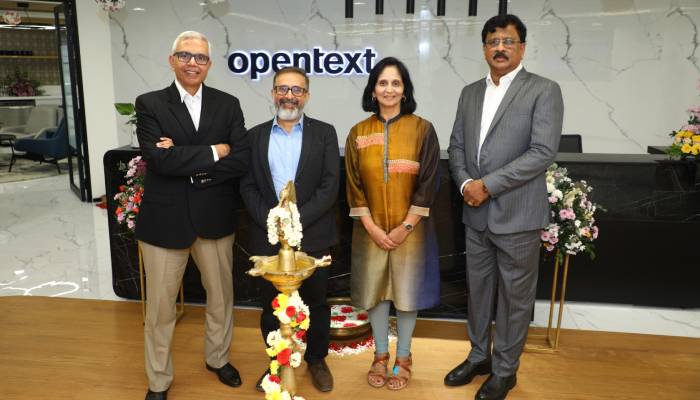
{"type": "Point", "coordinates": [194, 142]}
{"type": "Point", "coordinates": [296, 147]}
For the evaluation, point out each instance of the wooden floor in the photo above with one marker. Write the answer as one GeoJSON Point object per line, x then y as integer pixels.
{"type": "Point", "coordinates": [56, 348]}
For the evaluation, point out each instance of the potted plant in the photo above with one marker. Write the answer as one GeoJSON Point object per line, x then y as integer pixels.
{"type": "Point", "coordinates": [128, 109]}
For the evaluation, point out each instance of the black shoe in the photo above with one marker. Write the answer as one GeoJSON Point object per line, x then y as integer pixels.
{"type": "Point", "coordinates": [496, 387]}
{"type": "Point", "coordinates": [466, 371]}
{"type": "Point", "coordinates": [228, 375]}
{"type": "Point", "coordinates": [157, 395]}
{"type": "Point", "coordinates": [321, 376]}
{"type": "Point", "coordinates": [258, 384]}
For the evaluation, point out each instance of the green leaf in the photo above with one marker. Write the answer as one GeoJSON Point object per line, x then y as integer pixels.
{"type": "Point", "coordinates": [125, 108]}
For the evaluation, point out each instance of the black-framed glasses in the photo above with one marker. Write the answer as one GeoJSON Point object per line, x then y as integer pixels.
{"type": "Point", "coordinates": [282, 90]}
{"type": "Point", "coordinates": [507, 42]}
{"type": "Point", "coordinates": [186, 56]}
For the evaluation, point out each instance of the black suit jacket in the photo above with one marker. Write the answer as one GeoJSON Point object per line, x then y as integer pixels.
{"type": "Point", "coordinates": [316, 183]}
{"type": "Point", "coordinates": [174, 211]}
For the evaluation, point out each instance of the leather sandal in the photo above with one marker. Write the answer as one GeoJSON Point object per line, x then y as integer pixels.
{"type": "Point", "coordinates": [377, 374]}
{"type": "Point", "coordinates": [401, 373]}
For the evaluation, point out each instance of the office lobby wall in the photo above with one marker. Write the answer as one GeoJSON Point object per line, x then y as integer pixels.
{"type": "Point", "coordinates": [628, 68]}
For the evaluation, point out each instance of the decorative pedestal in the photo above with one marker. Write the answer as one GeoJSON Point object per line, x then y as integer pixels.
{"type": "Point", "coordinates": [551, 337]}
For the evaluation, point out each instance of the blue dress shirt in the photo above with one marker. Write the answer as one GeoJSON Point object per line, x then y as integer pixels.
{"type": "Point", "coordinates": [283, 153]}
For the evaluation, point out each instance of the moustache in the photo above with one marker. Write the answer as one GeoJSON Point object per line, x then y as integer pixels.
{"type": "Point", "coordinates": [500, 54]}
{"type": "Point", "coordinates": [284, 101]}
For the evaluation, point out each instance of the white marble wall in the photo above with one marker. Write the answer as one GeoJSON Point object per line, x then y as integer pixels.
{"type": "Point", "coordinates": [628, 68]}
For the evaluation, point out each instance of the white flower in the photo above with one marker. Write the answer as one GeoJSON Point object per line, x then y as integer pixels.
{"type": "Point", "coordinates": [295, 359]}
{"type": "Point", "coordinates": [270, 386]}
{"type": "Point", "coordinates": [558, 194]}
{"type": "Point", "coordinates": [577, 223]}
{"type": "Point", "coordinates": [273, 337]}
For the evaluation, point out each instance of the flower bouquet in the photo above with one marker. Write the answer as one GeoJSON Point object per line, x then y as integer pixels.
{"type": "Point", "coordinates": [130, 194]}
{"type": "Point", "coordinates": [19, 84]}
{"type": "Point", "coordinates": [572, 228]}
{"type": "Point", "coordinates": [686, 141]}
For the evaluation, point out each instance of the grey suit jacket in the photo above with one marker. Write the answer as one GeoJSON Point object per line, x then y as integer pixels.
{"type": "Point", "coordinates": [521, 143]}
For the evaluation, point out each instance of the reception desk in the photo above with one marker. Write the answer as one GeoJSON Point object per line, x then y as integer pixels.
{"type": "Point", "coordinates": [646, 252]}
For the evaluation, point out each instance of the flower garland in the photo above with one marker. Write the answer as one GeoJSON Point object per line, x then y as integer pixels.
{"type": "Point", "coordinates": [11, 17]}
{"type": "Point", "coordinates": [289, 310]}
{"type": "Point", "coordinates": [572, 228]}
{"type": "Point", "coordinates": [286, 220]}
{"type": "Point", "coordinates": [130, 194]}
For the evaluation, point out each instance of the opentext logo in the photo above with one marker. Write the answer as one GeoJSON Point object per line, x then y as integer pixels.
{"type": "Point", "coordinates": [315, 62]}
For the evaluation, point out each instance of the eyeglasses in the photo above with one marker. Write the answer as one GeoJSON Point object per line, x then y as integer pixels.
{"type": "Point", "coordinates": [507, 42]}
{"type": "Point", "coordinates": [282, 90]}
{"type": "Point", "coordinates": [185, 57]}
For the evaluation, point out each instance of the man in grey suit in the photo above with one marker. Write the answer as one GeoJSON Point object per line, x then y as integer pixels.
{"type": "Point", "coordinates": [505, 135]}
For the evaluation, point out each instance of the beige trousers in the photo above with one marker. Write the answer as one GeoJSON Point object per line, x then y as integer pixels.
{"type": "Point", "coordinates": [164, 271]}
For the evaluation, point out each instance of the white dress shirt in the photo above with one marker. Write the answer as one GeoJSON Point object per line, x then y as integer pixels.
{"type": "Point", "coordinates": [492, 99]}
{"type": "Point", "coordinates": [194, 107]}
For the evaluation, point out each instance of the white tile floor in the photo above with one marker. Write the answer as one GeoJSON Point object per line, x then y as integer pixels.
{"type": "Point", "coordinates": [51, 244]}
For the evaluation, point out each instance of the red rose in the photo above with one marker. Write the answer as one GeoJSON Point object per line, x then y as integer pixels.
{"type": "Point", "coordinates": [283, 356]}
{"type": "Point", "coordinates": [349, 324]}
{"type": "Point", "coordinates": [136, 210]}
{"type": "Point", "coordinates": [300, 334]}
{"type": "Point", "coordinates": [290, 311]}
{"type": "Point", "coordinates": [274, 378]}
{"type": "Point", "coordinates": [346, 309]}
{"type": "Point", "coordinates": [275, 304]}
{"type": "Point", "coordinates": [300, 317]}
{"type": "Point", "coordinates": [339, 318]}
{"type": "Point", "coordinates": [362, 316]}
{"type": "Point", "coordinates": [122, 188]}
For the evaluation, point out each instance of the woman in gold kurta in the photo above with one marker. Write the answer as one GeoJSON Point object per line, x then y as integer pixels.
{"type": "Point", "coordinates": [391, 162]}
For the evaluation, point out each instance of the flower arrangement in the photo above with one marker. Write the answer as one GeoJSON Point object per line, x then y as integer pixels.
{"type": "Point", "coordinates": [284, 221]}
{"type": "Point", "coordinates": [347, 316]}
{"type": "Point", "coordinates": [19, 84]}
{"type": "Point", "coordinates": [111, 5]}
{"type": "Point", "coordinates": [686, 141]}
{"type": "Point", "coordinates": [289, 310]}
{"type": "Point", "coordinates": [130, 194]}
{"type": "Point", "coordinates": [572, 228]}
{"type": "Point", "coordinates": [11, 17]}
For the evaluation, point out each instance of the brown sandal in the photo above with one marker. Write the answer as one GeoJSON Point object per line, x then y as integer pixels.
{"type": "Point", "coordinates": [401, 373]}
{"type": "Point", "coordinates": [377, 375]}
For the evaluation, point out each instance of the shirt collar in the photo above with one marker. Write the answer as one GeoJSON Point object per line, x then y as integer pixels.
{"type": "Point", "coordinates": [184, 93]}
{"type": "Point", "coordinates": [299, 123]}
{"type": "Point", "coordinates": [507, 77]}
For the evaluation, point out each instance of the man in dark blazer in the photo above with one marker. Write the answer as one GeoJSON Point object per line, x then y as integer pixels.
{"type": "Point", "coordinates": [505, 135]}
{"type": "Point", "coordinates": [194, 142]}
{"type": "Point", "coordinates": [296, 147]}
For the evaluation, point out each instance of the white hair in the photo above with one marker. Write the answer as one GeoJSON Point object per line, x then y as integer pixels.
{"type": "Point", "coordinates": [190, 35]}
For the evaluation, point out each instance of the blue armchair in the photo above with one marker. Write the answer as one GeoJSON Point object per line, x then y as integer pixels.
{"type": "Point", "coordinates": [50, 145]}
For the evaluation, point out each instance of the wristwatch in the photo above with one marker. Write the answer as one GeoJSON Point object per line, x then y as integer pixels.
{"type": "Point", "coordinates": [408, 226]}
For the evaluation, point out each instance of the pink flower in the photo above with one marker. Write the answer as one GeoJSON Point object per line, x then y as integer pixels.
{"type": "Point", "coordinates": [567, 213]}
{"type": "Point", "coordinates": [552, 199]}
{"type": "Point", "coordinates": [595, 232]}
{"type": "Point", "coordinates": [544, 236]}
{"type": "Point", "coordinates": [691, 128]}
{"type": "Point", "coordinates": [553, 240]}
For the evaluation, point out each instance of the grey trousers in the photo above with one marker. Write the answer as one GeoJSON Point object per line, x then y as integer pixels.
{"type": "Point", "coordinates": [508, 262]}
{"type": "Point", "coordinates": [164, 271]}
